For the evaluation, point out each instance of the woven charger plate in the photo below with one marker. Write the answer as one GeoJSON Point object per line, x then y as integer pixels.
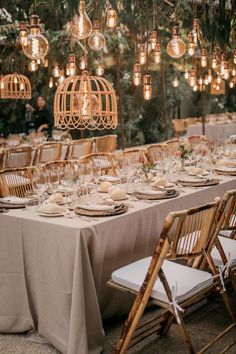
{"type": "Point", "coordinates": [11, 206]}
{"type": "Point", "coordinates": [123, 209]}
{"type": "Point", "coordinates": [225, 173]}
{"type": "Point", "coordinates": [156, 196]}
{"type": "Point", "coordinates": [204, 183]}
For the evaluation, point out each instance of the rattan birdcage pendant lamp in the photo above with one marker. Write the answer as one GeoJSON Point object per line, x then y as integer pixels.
{"type": "Point", "coordinates": [15, 86]}
{"type": "Point", "coordinates": [85, 102]}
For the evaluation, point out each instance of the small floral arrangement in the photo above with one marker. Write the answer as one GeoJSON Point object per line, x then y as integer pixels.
{"type": "Point", "coordinates": [184, 151]}
{"type": "Point", "coordinates": [147, 168]}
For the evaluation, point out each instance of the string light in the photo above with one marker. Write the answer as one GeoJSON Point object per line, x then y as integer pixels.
{"type": "Point", "coordinates": [99, 70]}
{"type": "Point", "coordinates": [157, 54]}
{"type": "Point", "coordinates": [176, 47]}
{"type": "Point", "coordinates": [96, 41]}
{"type": "Point", "coordinates": [37, 44]}
{"type": "Point", "coordinates": [175, 82]}
{"type": "Point", "coordinates": [186, 74]}
{"type": "Point", "coordinates": [111, 18]}
{"type": "Point", "coordinates": [50, 84]}
{"type": "Point", "coordinates": [153, 39]}
{"type": "Point", "coordinates": [191, 44]}
{"type": "Point", "coordinates": [147, 87]}
{"type": "Point", "coordinates": [203, 57]}
{"type": "Point", "coordinates": [56, 71]}
{"type": "Point", "coordinates": [142, 54]}
{"type": "Point", "coordinates": [213, 61]}
{"type": "Point", "coordinates": [33, 66]}
{"type": "Point", "coordinates": [137, 77]}
{"type": "Point", "coordinates": [192, 78]}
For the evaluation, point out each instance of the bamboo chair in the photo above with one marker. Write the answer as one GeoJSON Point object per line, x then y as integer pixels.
{"type": "Point", "coordinates": [100, 162]}
{"type": "Point", "coordinates": [48, 152]}
{"type": "Point", "coordinates": [196, 139]}
{"type": "Point", "coordinates": [16, 181]}
{"type": "Point", "coordinates": [106, 143]}
{"type": "Point", "coordinates": [224, 247]}
{"type": "Point", "coordinates": [56, 169]}
{"type": "Point", "coordinates": [134, 156]}
{"type": "Point", "coordinates": [179, 127]}
{"type": "Point", "coordinates": [184, 237]}
{"type": "Point", "coordinates": [156, 152]}
{"type": "Point", "coordinates": [172, 145]}
{"type": "Point", "coordinates": [79, 148]}
{"type": "Point", "coordinates": [2, 159]}
{"type": "Point", "coordinates": [18, 157]}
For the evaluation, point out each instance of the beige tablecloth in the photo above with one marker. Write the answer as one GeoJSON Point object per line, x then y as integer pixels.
{"type": "Point", "coordinates": [53, 271]}
{"type": "Point", "coordinates": [213, 131]}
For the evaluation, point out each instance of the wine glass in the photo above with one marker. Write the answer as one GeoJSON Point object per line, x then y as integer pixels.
{"type": "Point", "coordinates": [40, 184]}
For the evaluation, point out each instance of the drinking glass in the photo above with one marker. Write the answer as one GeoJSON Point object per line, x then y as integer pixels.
{"type": "Point", "coordinates": [32, 200]}
{"type": "Point", "coordinates": [40, 184]}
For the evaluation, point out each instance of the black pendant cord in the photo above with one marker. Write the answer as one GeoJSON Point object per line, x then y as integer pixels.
{"type": "Point", "coordinates": [147, 35]}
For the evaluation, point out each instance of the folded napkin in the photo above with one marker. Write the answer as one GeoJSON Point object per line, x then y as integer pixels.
{"type": "Point", "coordinates": [196, 170]}
{"type": "Point", "coordinates": [148, 191]}
{"type": "Point", "coordinates": [12, 199]}
{"type": "Point", "coordinates": [104, 187]}
{"type": "Point", "coordinates": [109, 178]}
{"type": "Point", "coordinates": [97, 207]}
{"type": "Point", "coordinates": [51, 208]}
{"type": "Point", "coordinates": [227, 163]}
{"type": "Point", "coordinates": [117, 194]}
{"type": "Point", "coordinates": [56, 198]}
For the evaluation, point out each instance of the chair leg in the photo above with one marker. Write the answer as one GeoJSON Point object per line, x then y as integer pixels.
{"type": "Point", "coordinates": [228, 305]}
{"type": "Point", "coordinates": [185, 336]}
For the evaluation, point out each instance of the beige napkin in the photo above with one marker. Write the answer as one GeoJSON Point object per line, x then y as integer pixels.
{"type": "Point", "coordinates": [51, 208]}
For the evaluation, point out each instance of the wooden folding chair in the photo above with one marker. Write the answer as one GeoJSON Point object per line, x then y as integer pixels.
{"type": "Point", "coordinates": [156, 152]}
{"type": "Point", "coordinates": [196, 139]}
{"type": "Point", "coordinates": [223, 248]}
{"type": "Point", "coordinates": [102, 162]}
{"type": "Point", "coordinates": [170, 285]}
{"type": "Point", "coordinates": [134, 156]}
{"type": "Point", "coordinates": [79, 148]}
{"type": "Point", "coordinates": [18, 157]}
{"type": "Point", "coordinates": [16, 181]}
{"type": "Point", "coordinates": [172, 145]}
{"type": "Point", "coordinates": [48, 152]}
{"type": "Point", "coordinates": [106, 143]}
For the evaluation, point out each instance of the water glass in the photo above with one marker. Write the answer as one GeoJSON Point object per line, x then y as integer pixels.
{"type": "Point", "coordinates": [32, 201]}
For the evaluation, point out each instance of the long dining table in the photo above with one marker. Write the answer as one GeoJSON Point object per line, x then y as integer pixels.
{"type": "Point", "coordinates": [214, 130]}
{"type": "Point", "coordinates": [53, 271]}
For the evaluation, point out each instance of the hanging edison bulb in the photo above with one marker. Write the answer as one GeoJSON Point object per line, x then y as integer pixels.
{"type": "Point", "coordinates": [142, 54]}
{"type": "Point", "coordinates": [218, 79]}
{"type": "Point", "coordinates": [213, 61]}
{"type": "Point", "coordinates": [209, 77]}
{"type": "Point", "coordinates": [157, 54]}
{"type": "Point", "coordinates": [1, 82]}
{"type": "Point", "coordinates": [99, 70]}
{"type": "Point", "coordinates": [61, 77]}
{"type": "Point", "coordinates": [137, 77]}
{"type": "Point", "coordinates": [192, 78]}
{"type": "Point", "coordinates": [33, 66]}
{"type": "Point", "coordinates": [50, 84]}
{"type": "Point", "coordinates": [197, 33]}
{"type": "Point", "coordinates": [200, 81]}
{"type": "Point", "coordinates": [231, 84]}
{"type": "Point", "coordinates": [234, 58]}
{"type": "Point", "coordinates": [83, 62]}
{"type": "Point", "coordinates": [191, 44]}
{"type": "Point", "coordinates": [37, 44]}
{"type": "Point", "coordinates": [71, 65]}
{"type": "Point", "coordinates": [153, 39]}
{"type": "Point", "coordinates": [147, 87]}
{"type": "Point", "coordinates": [97, 40]}
{"type": "Point", "coordinates": [234, 71]}
{"type": "Point", "coordinates": [67, 69]}
{"type": "Point", "coordinates": [56, 71]}
{"type": "Point", "coordinates": [175, 82]}
{"type": "Point", "coordinates": [186, 74]}
{"type": "Point", "coordinates": [226, 74]}
{"type": "Point", "coordinates": [38, 61]}
{"type": "Point", "coordinates": [203, 57]}
{"type": "Point", "coordinates": [206, 82]}
{"type": "Point", "coordinates": [23, 34]}
{"type": "Point", "coordinates": [81, 26]}
{"type": "Point", "coordinates": [111, 18]}
{"type": "Point", "coordinates": [195, 88]}
{"type": "Point", "coordinates": [176, 47]}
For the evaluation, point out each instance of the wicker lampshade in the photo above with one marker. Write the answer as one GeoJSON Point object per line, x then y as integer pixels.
{"type": "Point", "coordinates": [15, 86]}
{"type": "Point", "coordinates": [85, 102]}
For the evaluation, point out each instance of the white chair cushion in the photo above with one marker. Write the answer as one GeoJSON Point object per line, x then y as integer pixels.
{"type": "Point", "coordinates": [15, 180]}
{"type": "Point", "coordinates": [225, 233]}
{"type": "Point", "coordinates": [229, 247]}
{"type": "Point", "coordinates": [189, 281]}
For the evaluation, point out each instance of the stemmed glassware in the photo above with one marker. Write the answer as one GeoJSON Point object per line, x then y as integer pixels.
{"type": "Point", "coordinates": [40, 183]}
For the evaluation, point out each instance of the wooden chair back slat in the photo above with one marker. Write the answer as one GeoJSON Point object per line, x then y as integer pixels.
{"type": "Point", "coordinates": [48, 152]}
{"type": "Point", "coordinates": [16, 181]}
{"type": "Point", "coordinates": [100, 162]}
{"type": "Point", "coordinates": [106, 143]}
{"type": "Point", "coordinates": [18, 157]}
{"type": "Point", "coordinates": [136, 156]}
{"type": "Point", "coordinates": [79, 148]}
{"type": "Point", "coordinates": [156, 152]}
